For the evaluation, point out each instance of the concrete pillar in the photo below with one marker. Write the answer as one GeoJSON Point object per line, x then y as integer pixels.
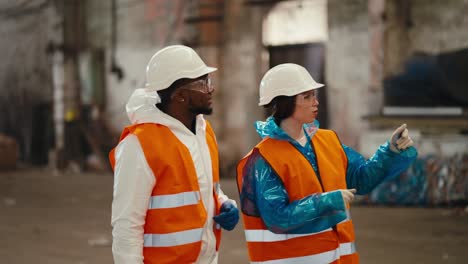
{"type": "Point", "coordinates": [397, 40]}
{"type": "Point", "coordinates": [347, 68]}
{"type": "Point", "coordinates": [240, 73]}
{"type": "Point", "coordinates": [376, 9]}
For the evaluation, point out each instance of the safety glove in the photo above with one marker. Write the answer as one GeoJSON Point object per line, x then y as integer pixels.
{"type": "Point", "coordinates": [400, 139]}
{"type": "Point", "coordinates": [228, 217]}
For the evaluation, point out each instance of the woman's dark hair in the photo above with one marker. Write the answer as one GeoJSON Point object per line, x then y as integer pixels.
{"type": "Point", "coordinates": [281, 107]}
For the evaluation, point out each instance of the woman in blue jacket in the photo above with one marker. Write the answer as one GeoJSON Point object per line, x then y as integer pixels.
{"type": "Point", "coordinates": [273, 220]}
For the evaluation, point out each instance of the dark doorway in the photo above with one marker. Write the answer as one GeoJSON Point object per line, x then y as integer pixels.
{"type": "Point", "coordinates": [310, 56]}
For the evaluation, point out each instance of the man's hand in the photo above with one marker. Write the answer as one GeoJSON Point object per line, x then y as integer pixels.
{"type": "Point", "coordinates": [228, 217]}
{"type": "Point", "coordinates": [400, 139]}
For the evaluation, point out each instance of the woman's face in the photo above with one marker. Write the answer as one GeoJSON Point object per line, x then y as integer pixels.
{"type": "Point", "coordinates": [306, 109]}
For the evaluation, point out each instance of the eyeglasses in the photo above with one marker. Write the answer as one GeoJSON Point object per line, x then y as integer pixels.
{"type": "Point", "coordinates": [203, 86]}
{"type": "Point", "coordinates": [307, 98]}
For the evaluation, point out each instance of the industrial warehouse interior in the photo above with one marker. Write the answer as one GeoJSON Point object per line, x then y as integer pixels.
{"type": "Point", "coordinates": [70, 69]}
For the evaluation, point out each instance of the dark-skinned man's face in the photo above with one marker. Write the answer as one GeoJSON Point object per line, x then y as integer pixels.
{"type": "Point", "coordinates": [200, 93]}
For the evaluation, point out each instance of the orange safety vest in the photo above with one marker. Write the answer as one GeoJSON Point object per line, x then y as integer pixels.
{"type": "Point", "coordinates": [176, 215]}
{"type": "Point", "coordinates": [333, 245]}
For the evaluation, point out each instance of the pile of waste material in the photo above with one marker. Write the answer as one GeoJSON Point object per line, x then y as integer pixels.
{"type": "Point", "coordinates": [430, 181]}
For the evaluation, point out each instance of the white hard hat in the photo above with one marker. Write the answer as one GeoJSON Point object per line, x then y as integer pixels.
{"type": "Point", "coordinates": [171, 64]}
{"type": "Point", "coordinates": [285, 79]}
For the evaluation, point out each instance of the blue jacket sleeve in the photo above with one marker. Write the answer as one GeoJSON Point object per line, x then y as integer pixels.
{"type": "Point", "coordinates": [365, 175]}
{"type": "Point", "coordinates": [263, 194]}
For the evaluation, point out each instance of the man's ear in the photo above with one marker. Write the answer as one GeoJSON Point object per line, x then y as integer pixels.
{"type": "Point", "coordinates": [179, 96]}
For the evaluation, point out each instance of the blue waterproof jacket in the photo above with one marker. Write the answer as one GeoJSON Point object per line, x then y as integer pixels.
{"type": "Point", "coordinates": [263, 193]}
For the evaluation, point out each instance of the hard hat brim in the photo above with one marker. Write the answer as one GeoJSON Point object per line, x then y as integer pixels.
{"type": "Point", "coordinates": [190, 75]}
{"type": "Point", "coordinates": [290, 92]}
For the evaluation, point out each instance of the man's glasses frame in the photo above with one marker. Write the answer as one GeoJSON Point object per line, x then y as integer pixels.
{"type": "Point", "coordinates": [204, 86]}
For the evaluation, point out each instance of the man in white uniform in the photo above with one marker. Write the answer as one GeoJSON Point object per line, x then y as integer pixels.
{"type": "Point", "coordinates": [167, 203]}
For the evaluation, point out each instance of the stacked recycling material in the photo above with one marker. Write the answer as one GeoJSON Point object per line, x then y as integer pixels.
{"type": "Point", "coordinates": [430, 181]}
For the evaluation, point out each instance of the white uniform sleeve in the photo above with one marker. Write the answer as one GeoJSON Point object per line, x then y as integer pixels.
{"type": "Point", "coordinates": [133, 184]}
{"type": "Point", "coordinates": [223, 198]}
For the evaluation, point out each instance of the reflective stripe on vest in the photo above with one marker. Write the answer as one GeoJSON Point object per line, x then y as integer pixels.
{"type": "Point", "coordinates": [173, 239]}
{"type": "Point", "coordinates": [174, 200]}
{"type": "Point", "coordinates": [347, 248]}
{"type": "Point", "coordinates": [325, 257]}
{"type": "Point", "coordinates": [265, 235]}
{"type": "Point", "coordinates": [217, 187]}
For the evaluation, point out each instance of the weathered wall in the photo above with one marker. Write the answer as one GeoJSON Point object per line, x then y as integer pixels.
{"type": "Point", "coordinates": [232, 44]}
{"type": "Point", "coordinates": [142, 28]}
{"type": "Point", "coordinates": [25, 65]}
{"type": "Point", "coordinates": [371, 40]}
{"type": "Point", "coordinates": [439, 25]}
{"type": "Point", "coordinates": [428, 26]}
{"type": "Point", "coordinates": [25, 72]}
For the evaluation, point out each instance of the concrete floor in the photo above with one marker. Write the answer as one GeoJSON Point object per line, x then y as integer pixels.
{"type": "Point", "coordinates": [66, 219]}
